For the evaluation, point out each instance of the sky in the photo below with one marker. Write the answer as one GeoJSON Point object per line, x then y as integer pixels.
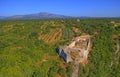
{"type": "Point", "coordinates": [91, 8]}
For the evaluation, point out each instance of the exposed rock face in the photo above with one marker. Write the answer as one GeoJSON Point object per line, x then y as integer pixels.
{"type": "Point", "coordinates": [77, 51]}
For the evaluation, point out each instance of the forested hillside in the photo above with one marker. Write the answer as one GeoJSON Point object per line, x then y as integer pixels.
{"type": "Point", "coordinates": [28, 48]}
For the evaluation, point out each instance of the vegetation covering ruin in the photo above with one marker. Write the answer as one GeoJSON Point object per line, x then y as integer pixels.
{"type": "Point", "coordinates": [28, 47]}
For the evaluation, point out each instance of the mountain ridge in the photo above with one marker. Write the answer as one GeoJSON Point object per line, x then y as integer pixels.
{"type": "Point", "coordinates": [44, 15]}
{"type": "Point", "coordinates": [40, 15]}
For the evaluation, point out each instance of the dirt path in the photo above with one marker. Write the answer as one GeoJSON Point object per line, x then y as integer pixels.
{"type": "Point", "coordinates": [76, 69]}
{"type": "Point", "coordinates": [117, 54]}
{"type": "Point", "coordinates": [118, 47]}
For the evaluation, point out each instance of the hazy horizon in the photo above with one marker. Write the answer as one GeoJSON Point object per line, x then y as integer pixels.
{"type": "Point", "coordinates": [90, 8]}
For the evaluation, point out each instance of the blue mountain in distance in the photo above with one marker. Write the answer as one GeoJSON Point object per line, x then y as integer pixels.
{"type": "Point", "coordinates": [41, 15]}
{"type": "Point", "coordinates": [1, 17]}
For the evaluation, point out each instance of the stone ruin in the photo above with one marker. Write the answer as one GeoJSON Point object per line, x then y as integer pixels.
{"type": "Point", "coordinates": [77, 50]}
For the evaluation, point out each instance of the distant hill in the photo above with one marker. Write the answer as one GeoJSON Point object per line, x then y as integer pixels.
{"type": "Point", "coordinates": [1, 17]}
{"type": "Point", "coordinates": [41, 15]}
